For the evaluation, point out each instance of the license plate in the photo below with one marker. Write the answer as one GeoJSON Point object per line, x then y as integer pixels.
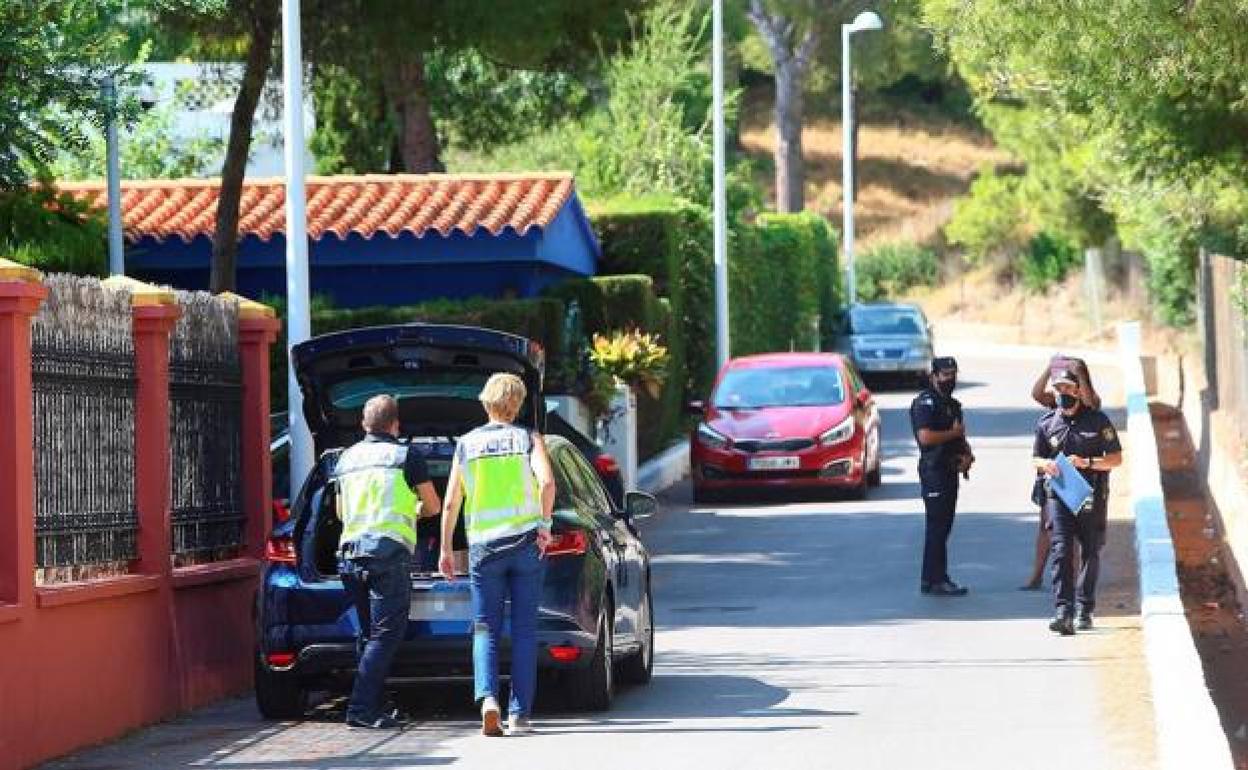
{"type": "Point", "coordinates": [440, 606]}
{"type": "Point", "coordinates": [774, 463]}
{"type": "Point", "coordinates": [882, 366]}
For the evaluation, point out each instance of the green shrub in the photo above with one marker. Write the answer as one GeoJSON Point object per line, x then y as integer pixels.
{"type": "Point", "coordinates": [892, 268]}
{"type": "Point", "coordinates": [990, 219]}
{"type": "Point", "coordinates": [784, 283]}
{"type": "Point", "coordinates": [53, 232]}
{"type": "Point", "coordinates": [1046, 261]}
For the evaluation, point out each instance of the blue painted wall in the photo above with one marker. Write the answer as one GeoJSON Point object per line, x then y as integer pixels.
{"type": "Point", "coordinates": [381, 270]}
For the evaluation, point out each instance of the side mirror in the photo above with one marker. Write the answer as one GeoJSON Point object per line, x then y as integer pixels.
{"type": "Point", "coordinates": [639, 505]}
{"type": "Point", "coordinates": [864, 396]}
{"type": "Point", "coordinates": [697, 408]}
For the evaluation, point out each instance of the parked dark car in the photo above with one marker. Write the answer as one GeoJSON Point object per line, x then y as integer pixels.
{"type": "Point", "coordinates": [596, 619]}
{"type": "Point", "coordinates": [605, 464]}
{"type": "Point", "coordinates": [888, 340]}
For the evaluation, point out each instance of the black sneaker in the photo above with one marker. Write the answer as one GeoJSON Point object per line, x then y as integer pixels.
{"type": "Point", "coordinates": [943, 588]}
{"type": "Point", "coordinates": [1062, 624]}
{"type": "Point", "coordinates": [1084, 622]}
{"type": "Point", "coordinates": [383, 722]}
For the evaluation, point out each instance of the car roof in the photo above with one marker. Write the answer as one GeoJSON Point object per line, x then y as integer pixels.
{"type": "Point", "coordinates": [886, 306]}
{"type": "Point", "coordinates": [776, 360]}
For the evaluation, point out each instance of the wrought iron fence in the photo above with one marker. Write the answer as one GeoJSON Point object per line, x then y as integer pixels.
{"type": "Point", "coordinates": [206, 430]}
{"type": "Point", "coordinates": [84, 384]}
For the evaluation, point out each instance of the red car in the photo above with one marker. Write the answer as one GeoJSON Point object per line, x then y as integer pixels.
{"type": "Point", "coordinates": [800, 420]}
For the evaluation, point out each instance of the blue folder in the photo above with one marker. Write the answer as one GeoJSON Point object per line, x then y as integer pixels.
{"type": "Point", "coordinates": [1069, 484]}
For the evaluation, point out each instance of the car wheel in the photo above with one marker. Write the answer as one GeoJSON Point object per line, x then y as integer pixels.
{"type": "Point", "coordinates": [874, 475]}
{"type": "Point", "coordinates": [592, 688]}
{"type": "Point", "coordinates": [279, 695]}
{"type": "Point", "coordinates": [638, 667]}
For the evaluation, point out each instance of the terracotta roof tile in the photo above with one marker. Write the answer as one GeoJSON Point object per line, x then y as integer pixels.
{"type": "Point", "coordinates": [344, 205]}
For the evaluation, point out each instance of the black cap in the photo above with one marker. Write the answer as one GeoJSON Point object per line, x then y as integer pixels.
{"type": "Point", "coordinates": [944, 364]}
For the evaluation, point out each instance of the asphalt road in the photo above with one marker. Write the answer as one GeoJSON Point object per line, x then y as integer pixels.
{"type": "Point", "coordinates": [792, 635]}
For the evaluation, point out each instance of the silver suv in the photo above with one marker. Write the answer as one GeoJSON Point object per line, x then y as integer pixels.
{"type": "Point", "coordinates": [888, 338]}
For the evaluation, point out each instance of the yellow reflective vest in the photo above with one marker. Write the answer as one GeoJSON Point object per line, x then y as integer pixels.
{"type": "Point", "coordinates": [501, 496]}
{"type": "Point", "coordinates": [374, 497]}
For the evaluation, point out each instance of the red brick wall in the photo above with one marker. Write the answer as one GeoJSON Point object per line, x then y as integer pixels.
{"type": "Point", "coordinates": [82, 663]}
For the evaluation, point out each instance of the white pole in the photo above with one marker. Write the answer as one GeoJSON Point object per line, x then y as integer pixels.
{"type": "Point", "coordinates": [719, 203]}
{"type": "Point", "coordinates": [298, 320]}
{"type": "Point", "coordinates": [116, 251]}
{"type": "Point", "coordinates": [847, 169]}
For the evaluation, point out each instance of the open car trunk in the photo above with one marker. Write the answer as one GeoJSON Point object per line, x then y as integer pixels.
{"type": "Point", "coordinates": [434, 372]}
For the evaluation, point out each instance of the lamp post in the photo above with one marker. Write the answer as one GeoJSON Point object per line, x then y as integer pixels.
{"type": "Point", "coordinates": [867, 20]}
{"type": "Point", "coordinates": [719, 198]}
{"type": "Point", "coordinates": [298, 321]}
{"type": "Point", "coordinates": [116, 252]}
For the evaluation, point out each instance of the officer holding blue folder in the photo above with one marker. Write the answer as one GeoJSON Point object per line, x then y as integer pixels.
{"type": "Point", "coordinates": [1088, 440]}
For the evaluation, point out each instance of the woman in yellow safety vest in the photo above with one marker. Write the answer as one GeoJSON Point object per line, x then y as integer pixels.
{"type": "Point", "coordinates": [501, 473]}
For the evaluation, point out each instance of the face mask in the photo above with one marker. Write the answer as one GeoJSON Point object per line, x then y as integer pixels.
{"type": "Point", "coordinates": [1066, 401]}
{"type": "Point", "coordinates": [946, 387]}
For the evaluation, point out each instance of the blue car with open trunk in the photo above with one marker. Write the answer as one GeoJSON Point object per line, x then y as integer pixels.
{"type": "Point", "coordinates": [596, 618]}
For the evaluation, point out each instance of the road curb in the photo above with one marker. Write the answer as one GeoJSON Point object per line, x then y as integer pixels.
{"type": "Point", "coordinates": [664, 469]}
{"type": "Point", "coordinates": [1189, 733]}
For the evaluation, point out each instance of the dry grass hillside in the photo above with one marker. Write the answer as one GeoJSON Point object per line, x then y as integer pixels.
{"type": "Point", "coordinates": [911, 168]}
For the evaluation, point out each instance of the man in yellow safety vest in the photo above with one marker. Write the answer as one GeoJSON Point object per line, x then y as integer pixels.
{"type": "Point", "coordinates": [379, 482]}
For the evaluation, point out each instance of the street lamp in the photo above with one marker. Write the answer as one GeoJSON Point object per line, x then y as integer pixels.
{"type": "Point", "coordinates": [719, 198]}
{"type": "Point", "coordinates": [298, 316]}
{"type": "Point", "coordinates": [865, 21]}
{"type": "Point", "coordinates": [116, 252]}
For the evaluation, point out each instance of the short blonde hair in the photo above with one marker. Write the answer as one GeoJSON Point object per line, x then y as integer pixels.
{"type": "Point", "coordinates": [502, 396]}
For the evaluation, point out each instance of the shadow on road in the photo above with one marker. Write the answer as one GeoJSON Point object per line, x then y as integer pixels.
{"type": "Point", "coordinates": [834, 564]}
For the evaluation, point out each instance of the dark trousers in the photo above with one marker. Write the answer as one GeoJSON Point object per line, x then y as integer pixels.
{"type": "Point", "coordinates": [940, 500]}
{"type": "Point", "coordinates": [1089, 529]}
{"type": "Point", "coordinates": [380, 587]}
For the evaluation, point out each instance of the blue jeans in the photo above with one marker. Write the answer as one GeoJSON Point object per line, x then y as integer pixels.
{"type": "Point", "coordinates": [499, 570]}
{"type": "Point", "coordinates": [380, 587]}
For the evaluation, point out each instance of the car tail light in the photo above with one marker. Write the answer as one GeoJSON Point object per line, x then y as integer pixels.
{"type": "Point", "coordinates": [280, 550]}
{"type": "Point", "coordinates": [281, 510]}
{"type": "Point", "coordinates": [280, 659]}
{"type": "Point", "coordinates": [571, 543]}
{"type": "Point", "coordinates": [607, 465]}
{"type": "Point", "coordinates": [565, 653]}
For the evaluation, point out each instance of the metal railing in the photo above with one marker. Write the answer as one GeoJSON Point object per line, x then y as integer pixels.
{"type": "Point", "coordinates": [84, 384]}
{"type": "Point", "coordinates": [205, 391]}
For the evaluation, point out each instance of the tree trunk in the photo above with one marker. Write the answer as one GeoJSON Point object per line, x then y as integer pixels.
{"type": "Point", "coordinates": [791, 53]}
{"type": "Point", "coordinates": [264, 22]}
{"type": "Point", "coordinates": [790, 171]}
{"type": "Point", "coordinates": [419, 149]}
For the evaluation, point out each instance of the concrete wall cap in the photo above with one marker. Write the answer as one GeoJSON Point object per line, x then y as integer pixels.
{"type": "Point", "coordinates": [141, 294]}
{"type": "Point", "coordinates": [249, 308]}
{"type": "Point", "coordinates": [11, 272]}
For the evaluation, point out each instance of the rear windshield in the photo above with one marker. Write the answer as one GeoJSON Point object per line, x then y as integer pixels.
{"type": "Point", "coordinates": [788, 386]}
{"type": "Point", "coordinates": [351, 394]}
{"type": "Point", "coordinates": [885, 321]}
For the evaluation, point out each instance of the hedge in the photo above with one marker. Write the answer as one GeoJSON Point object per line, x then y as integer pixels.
{"type": "Point", "coordinates": [784, 283]}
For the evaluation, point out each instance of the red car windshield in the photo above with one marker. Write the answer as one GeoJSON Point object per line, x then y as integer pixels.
{"type": "Point", "coordinates": [787, 386]}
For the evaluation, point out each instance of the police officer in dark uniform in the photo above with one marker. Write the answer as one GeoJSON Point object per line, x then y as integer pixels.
{"type": "Point", "coordinates": [936, 419]}
{"type": "Point", "coordinates": [1087, 437]}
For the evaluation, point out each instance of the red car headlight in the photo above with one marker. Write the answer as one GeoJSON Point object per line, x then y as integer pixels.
{"type": "Point", "coordinates": [711, 438]}
{"type": "Point", "coordinates": [843, 432]}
